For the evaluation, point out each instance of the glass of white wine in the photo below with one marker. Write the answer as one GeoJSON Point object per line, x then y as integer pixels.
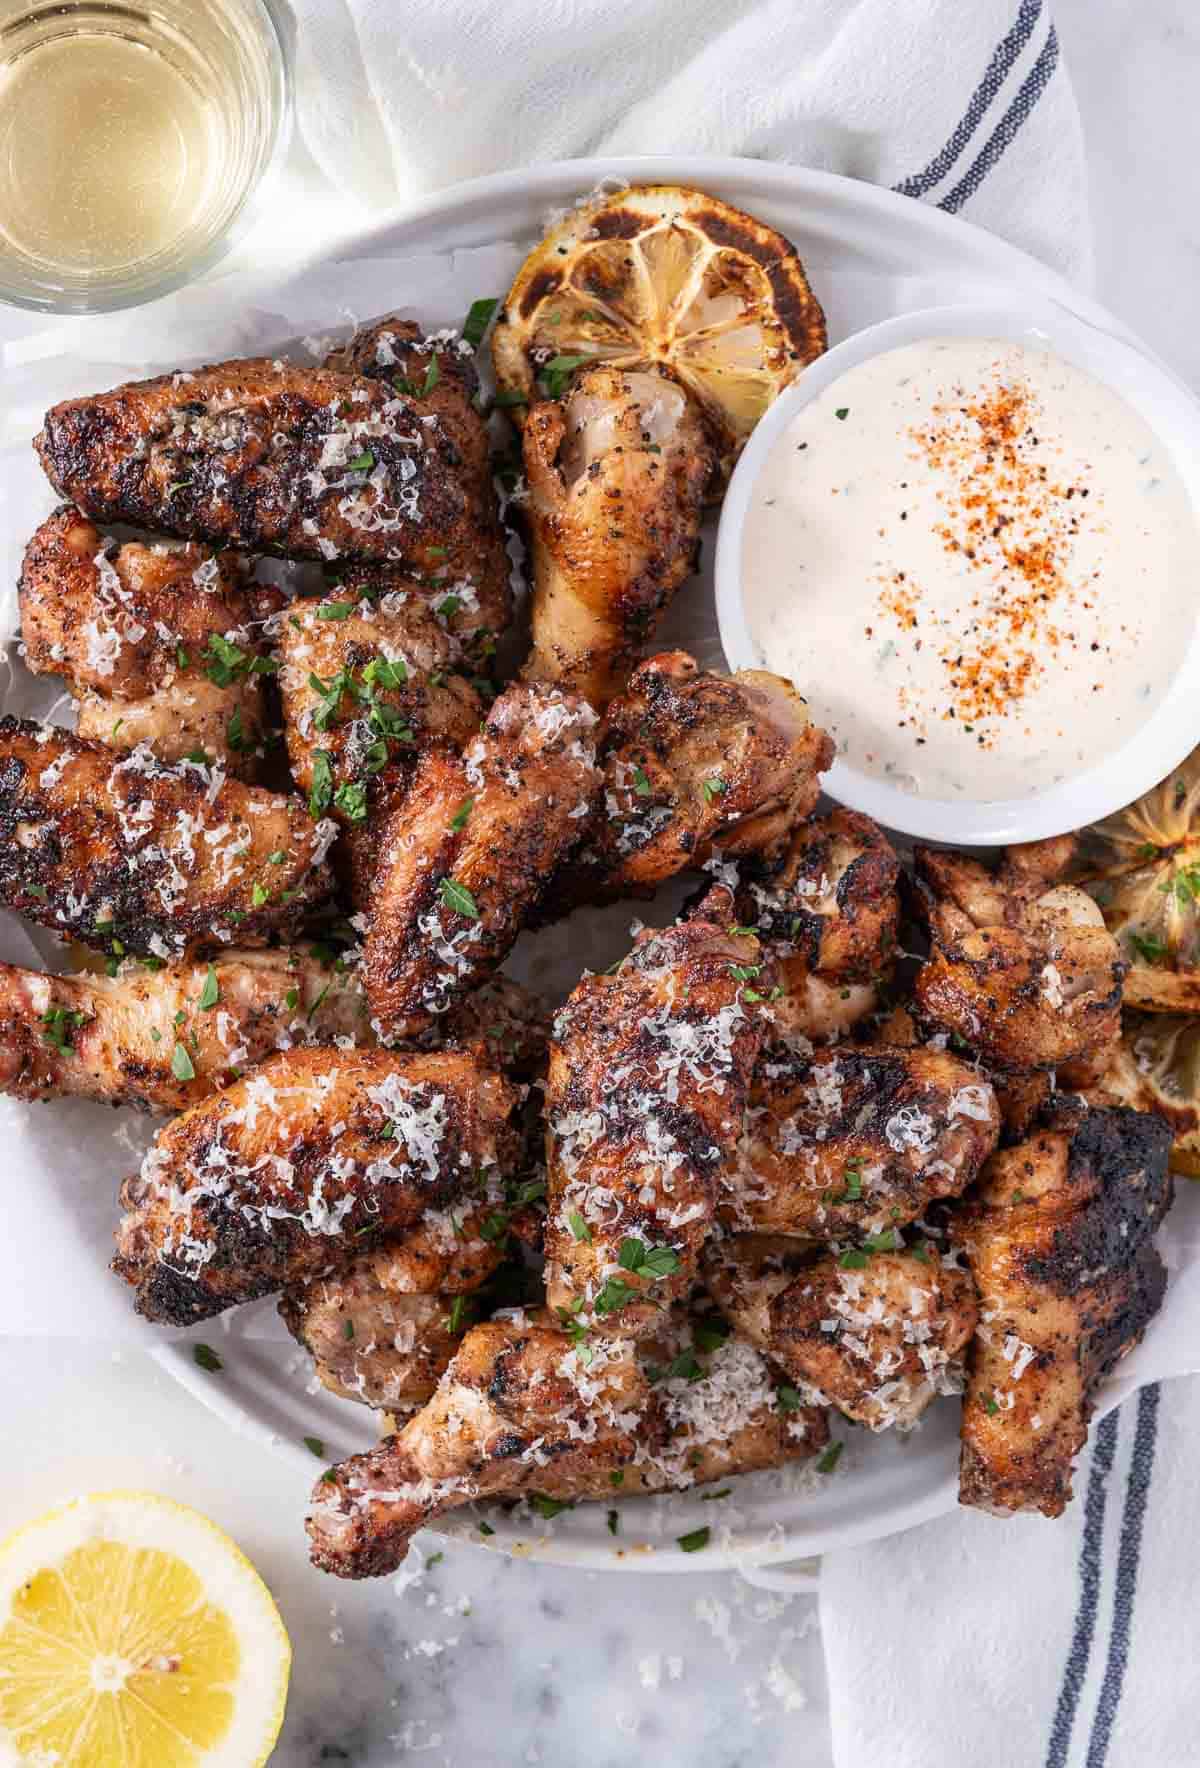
{"type": "Point", "coordinates": [132, 138]}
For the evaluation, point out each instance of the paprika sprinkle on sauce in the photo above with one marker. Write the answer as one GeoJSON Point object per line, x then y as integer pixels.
{"type": "Point", "coordinates": [977, 562]}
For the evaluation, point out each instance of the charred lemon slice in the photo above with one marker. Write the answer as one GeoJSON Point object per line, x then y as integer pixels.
{"type": "Point", "coordinates": [1142, 866]}
{"type": "Point", "coordinates": [659, 275]}
{"type": "Point", "coordinates": [1158, 1069]}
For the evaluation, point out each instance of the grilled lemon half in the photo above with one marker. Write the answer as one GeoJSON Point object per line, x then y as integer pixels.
{"type": "Point", "coordinates": [1142, 867]}
{"type": "Point", "coordinates": [134, 1634]}
{"type": "Point", "coordinates": [660, 276]}
{"type": "Point", "coordinates": [1158, 1069]}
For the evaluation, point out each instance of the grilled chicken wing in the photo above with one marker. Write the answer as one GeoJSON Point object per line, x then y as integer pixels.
{"type": "Point", "coordinates": [365, 683]}
{"type": "Point", "coordinates": [617, 474]}
{"type": "Point", "coordinates": [383, 1330]}
{"type": "Point", "coordinates": [438, 376]}
{"type": "Point", "coordinates": [649, 1072]}
{"type": "Point", "coordinates": [278, 1180]}
{"type": "Point", "coordinates": [1059, 1239]}
{"type": "Point", "coordinates": [470, 850]}
{"type": "Point", "coordinates": [136, 855]}
{"type": "Point", "coordinates": [162, 1039]}
{"type": "Point", "coordinates": [878, 1341]}
{"type": "Point", "coordinates": [826, 913]}
{"type": "Point", "coordinates": [693, 760]}
{"type": "Point", "coordinates": [523, 1407]}
{"type": "Point", "coordinates": [1028, 980]}
{"type": "Point", "coordinates": [258, 454]}
{"type": "Point", "coordinates": [856, 1141]}
{"type": "Point", "coordinates": [153, 641]}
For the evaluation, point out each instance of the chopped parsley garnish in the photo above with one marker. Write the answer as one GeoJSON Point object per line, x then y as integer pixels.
{"type": "Point", "coordinates": [456, 1319]}
{"type": "Point", "coordinates": [291, 999]}
{"type": "Point", "coordinates": [684, 1367]}
{"type": "Point", "coordinates": [348, 1329]}
{"type": "Point", "coordinates": [235, 733]}
{"type": "Point", "coordinates": [321, 793]}
{"type": "Point", "coordinates": [641, 783]}
{"type": "Point", "coordinates": [319, 1002]}
{"type": "Point", "coordinates": [614, 1296]}
{"type": "Point", "coordinates": [229, 663]}
{"type": "Point", "coordinates": [614, 1521]}
{"type": "Point", "coordinates": [510, 397]}
{"type": "Point", "coordinates": [181, 656]}
{"type": "Point", "coordinates": [558, 371]}
{"type": "Point", "coordinates": [617, 1477]}
{"type": "Point", "coordinates": [459, 819]}
{"type": "Point", "coordinates": [207, 1357]}
{"type": "Point", "coordinates": [362, 463]}
{"type": "Point", "coordinates": [260, 896]}
{"type": "Point", "coordinates": [456, 896]}
{"type": "Point", "coordinates": [485, 1528]}
{"type": "Point", "coordinates": [657, 1261]}
{"type": "Point", "coordinates": [853, 1259]}
{"type": "Point", "coordinates": [210, 994]}
{"type": "Point", "coordinates": [351, 799]}
{"type": "Point", "coordinates": [709, 1335]}
{"type": "Point", "coordinates": [549, 1507]}
{"type": "Point", "coordinates": [315, 1446]}
{"type": "Point", "coordinates": [58, 1024]}
{"type": "Point", "coordinates": [991, 1405]}
{"type": "Point", "coordinates": [788, 1398]}
{"type": "Point", "coordinates": [889, 1241]}
{"type": "Point", "coordinates": [182, 1066]}
{"type": "Point", "coordinates": [744, 972]}
{"type": "Point", "coordinates": [434, 1559]}
{"type": "Point", "coordinates": [449, 604]}
{"type": "Point", "coordinates": [713, 788]}
{"type": "Point", "coordinates": [277, 858]}
{"type": "Point", "coordinates": [433, 375]}
{"type": "Point", "coordinates": [843, 411]}
{"type": "Point", "coordinates": [693, 1542]}
{"type": "Point", "coordinates": [495, 1227]}
{"type": "Point", "coordinates": [829, 1460]}
{"type": "Point", "coordinates": [334, 610]}
{"type": "Point", "coordinates": [1147, 947]}
{"type": "Point", "coordinates": [479, 317]}
{"type": "Point", "coordinates": [579, 1228]}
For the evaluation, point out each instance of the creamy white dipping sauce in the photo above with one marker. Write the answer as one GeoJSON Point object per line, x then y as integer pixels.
{"type": "Point", "coordinates": [977, 563]}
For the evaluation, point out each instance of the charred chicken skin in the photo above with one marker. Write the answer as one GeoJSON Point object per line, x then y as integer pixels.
{"type": "Point", "coordinates": [153, 641]}
{"type": "Point", "coordinates": [1029, 981]}
{"type": "Point", "coordinates": [469, 852]}
{"type": "Point", "coordinates": [879, 1341]}
{"type": "Point", "coordinates": [826, 913]}
{"type": "Point", "coordinates": [137, 855]}
{"type": "Point", "coordinates": [260, 454]}
{"type": "Point", "coordinates": [438, 376]}
{"type": "Point", "coordinates": [648, 1078]}
{"type": "Point", "coordinates": [1059, 1241]}
{"type": "Point", "coordinates": [284, 1176]}
{"type": "Point", "coordinates": [617, 474]}
{"type": "Point", "coordinates": [523, 1407]}
{"type": "Point", "coordinates": [854, 1142]}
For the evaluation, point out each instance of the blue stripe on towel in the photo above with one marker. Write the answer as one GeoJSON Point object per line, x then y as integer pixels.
{"type": "Point", "coordinates": [1137, 1491]}
{"type": "Point", "coordinates": [1003, 57]}
{"type": "Point", "coordinates": [1089, 1592]}
{"type": "Point", "coordinates": [1009, 126]}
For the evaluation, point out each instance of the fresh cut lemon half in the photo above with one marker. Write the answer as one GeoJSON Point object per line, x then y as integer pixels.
{"type": "Point", "coordinates": [134, 1634]}
{"type": "Point", "coordinates": [662, 276]}
{"type": "Point", "coordinates": [1157, 1068]}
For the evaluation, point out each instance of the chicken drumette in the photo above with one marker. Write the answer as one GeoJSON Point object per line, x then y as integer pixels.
{"type": "Point", "coordinates": [879, 1338]}
{"type": "Point", "coordinates": [1027, 976]}
{"type": "Point", "coordinates": [470, 850]}
{"type": "Point", "coordinates": [525, 1407]}
{"type": "Point", "coordinates": [1059, 1239]}
{"type": "Point", "coordinates": [282, 1177]}
{"type": "Point", "coordinates": [648, 1078]}
{"type": "Point", "coordinates": [136, 855]}
{"type": "Point", "coordinates": [617, 474]}
{"type": "Point", "coordinates": [826, 912]}
{"type": "Point", "coordinates": [694, 761]}
{"type": "Point", "coordinates": [854, 1142]}
{"type": "Point", "coordinates": [153, 641]}
{"type": "Point", "coordinates": [165, 1037]}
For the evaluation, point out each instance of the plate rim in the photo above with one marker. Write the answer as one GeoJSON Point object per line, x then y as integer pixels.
{"type": "Point", "coordinates": [904, 219]}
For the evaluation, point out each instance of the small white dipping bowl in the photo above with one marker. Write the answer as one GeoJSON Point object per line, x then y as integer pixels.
{"type": "Point", "coordinates": [1171, 729]}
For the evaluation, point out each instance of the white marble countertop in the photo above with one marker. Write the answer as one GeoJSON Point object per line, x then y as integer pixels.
{"type": "Point", "coordinates": [479, 1660]}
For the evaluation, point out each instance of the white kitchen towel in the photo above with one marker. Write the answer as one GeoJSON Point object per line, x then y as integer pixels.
{"type": "Point", "coordinates": [979, 1643]}
{"type": "Point", "coordinates": [961, 103]}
